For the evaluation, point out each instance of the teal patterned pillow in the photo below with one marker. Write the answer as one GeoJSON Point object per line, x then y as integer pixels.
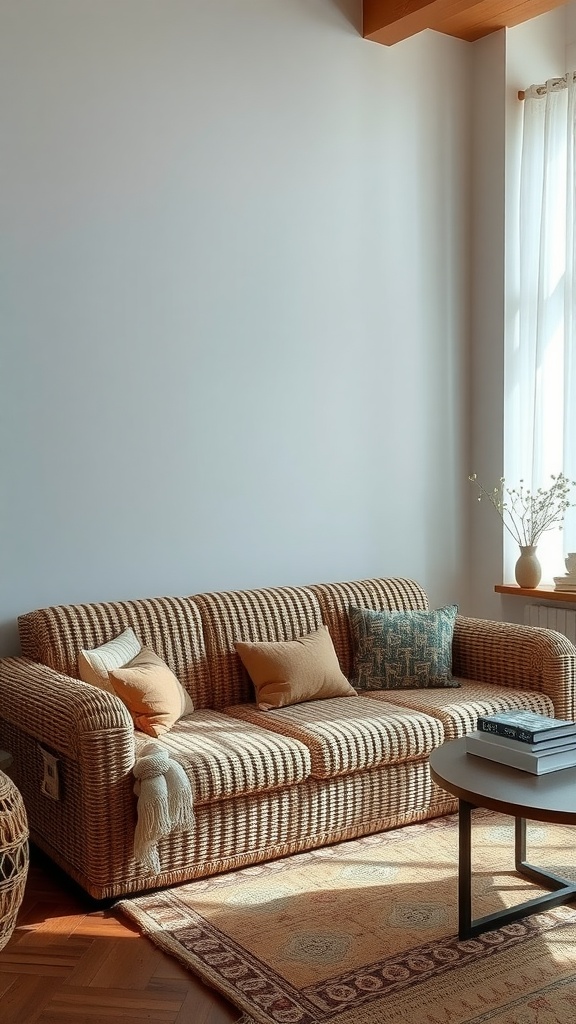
{"type": "Point", "coordinates": [403, 650]}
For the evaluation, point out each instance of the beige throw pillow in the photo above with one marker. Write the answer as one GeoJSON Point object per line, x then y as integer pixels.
{"type": "Point", "coordinates": [293, 671]}
{"type": "Point", "coordinates": [94, 666]}
{"type": "Point", "coordinates": [151, 692]}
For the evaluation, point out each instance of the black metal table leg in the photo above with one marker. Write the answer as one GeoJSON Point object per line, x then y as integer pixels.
{"type": "Point", "coordinates": [562, 889]}
{"type": "Point", "coordinates": [519, 842]}
{"type": "Point", "coordinates": [464, 868]}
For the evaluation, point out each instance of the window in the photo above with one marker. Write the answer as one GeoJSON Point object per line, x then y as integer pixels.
{"type": "Point", "coordinates": [540, 416]}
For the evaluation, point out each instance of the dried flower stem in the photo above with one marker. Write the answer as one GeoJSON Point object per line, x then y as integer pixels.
{"type": "Point", "coordinates": [526, 515]}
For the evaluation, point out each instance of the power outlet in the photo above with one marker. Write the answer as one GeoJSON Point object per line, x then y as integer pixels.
{"type": "Point", "coordinates": [50, 785]}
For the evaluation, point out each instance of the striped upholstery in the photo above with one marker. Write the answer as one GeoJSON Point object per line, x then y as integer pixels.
{"type": "Point", "coordinates": [224, 757]}
{"type": "Point", "coordinates": [62, 723]}
{"type": "Point", "coordinates": [349, 734]}
{"type": "Point", "coordinates": [281, 613]}
{"type": "Point", "coordinates": [170, 626]}
{"type": "Point", "coordinates": [377, 594]}
{"type": "Point", "coordinates": [91, 733]}
{"type": "Point", "coordinates": [234, 833]}
{"type": "Point", "coordinates": [458, 710]}
{"type": "Point", "coordinates": [506, 654]}
{"type": "Point", "coordinates": [275, 782]}
{"type": "Point", "coordinates": [90, 832]}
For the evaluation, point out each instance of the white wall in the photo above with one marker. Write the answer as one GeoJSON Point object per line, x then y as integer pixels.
{"type": "Point", "coordinates": [487, 315]}
{"type": "Point", "coordinates": [235, 310]}
{"type": "Point", "coordinates": [570, 10]}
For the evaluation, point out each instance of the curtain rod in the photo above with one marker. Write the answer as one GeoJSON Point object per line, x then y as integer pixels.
{"type": "Point", "coordinates": [552, 85]}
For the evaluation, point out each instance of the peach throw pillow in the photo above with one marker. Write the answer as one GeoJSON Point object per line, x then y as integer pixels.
{"type": "Point", "coordinates": [151, 692]}
{"type": "Point", "coordinates": [292, 671]}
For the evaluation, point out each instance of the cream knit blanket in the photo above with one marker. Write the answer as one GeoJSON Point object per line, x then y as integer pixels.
{"type": "Point", "coordinates": [164, 802]}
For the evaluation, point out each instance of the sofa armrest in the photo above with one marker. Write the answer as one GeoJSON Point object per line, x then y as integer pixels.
{"type": "Point", "coordinates": [524, 657]}
{"type": "Point", "coordinates": [89, 829]}
{"type": "Point", "coordinates": [60, 711]}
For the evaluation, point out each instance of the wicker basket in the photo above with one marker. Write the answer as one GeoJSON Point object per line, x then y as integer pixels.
{"type": "Point", "coordinates": [13, 855]}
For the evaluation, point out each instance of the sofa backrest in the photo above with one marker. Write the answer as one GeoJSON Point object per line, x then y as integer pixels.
{"type": "Point", "coordinates": [196, 635]}
{"type": "Point", "coordinates": [393, 594]}
{"type": "Point", "coordinates": [274, 613]}
{"type": "Point", "coordinates": [171, 626]}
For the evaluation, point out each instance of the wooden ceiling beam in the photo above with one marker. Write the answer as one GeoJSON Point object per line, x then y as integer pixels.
{"type": "Point", "coordinates": [492, 15]}
{"type": "Point", "coordinates": [389, 21]}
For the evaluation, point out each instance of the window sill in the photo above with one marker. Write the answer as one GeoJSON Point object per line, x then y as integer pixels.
{"type": "Point", "coordinates": [544, 591]}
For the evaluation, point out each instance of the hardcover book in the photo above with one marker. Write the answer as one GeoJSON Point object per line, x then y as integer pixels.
{"type": "Point", "coordinates": [526, 726]}
{"type": "Point", "coordinates": [537, 764]}
{"type": "Point", "coordinates": [544, 747]}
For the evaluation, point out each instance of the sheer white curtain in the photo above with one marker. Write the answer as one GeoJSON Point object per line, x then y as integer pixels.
{"type": "Point", "coordinates": [540, 417]}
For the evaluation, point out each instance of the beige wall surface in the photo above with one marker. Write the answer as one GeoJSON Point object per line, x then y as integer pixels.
{"type": "Point", "coordinates": [255, 285]}
{"type": "Point", "coordinates": [235, 309]}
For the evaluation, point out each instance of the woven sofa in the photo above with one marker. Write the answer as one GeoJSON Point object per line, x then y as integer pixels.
{"type": "Point", "coordinates": [265, 783]}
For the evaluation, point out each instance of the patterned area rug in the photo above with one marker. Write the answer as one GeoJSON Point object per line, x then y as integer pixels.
{"type": "Point", "coordinates": [365, 932]}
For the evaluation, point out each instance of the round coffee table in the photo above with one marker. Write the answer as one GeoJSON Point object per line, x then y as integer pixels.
{"type": "Point", "coordinates": [478, 782]}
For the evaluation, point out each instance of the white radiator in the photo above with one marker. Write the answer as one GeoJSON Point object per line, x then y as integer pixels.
{"type": "Point", "coordinates": [562, 619]}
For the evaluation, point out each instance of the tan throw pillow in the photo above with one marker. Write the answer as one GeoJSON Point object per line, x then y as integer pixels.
{"type": "Point", "coordinates": [151, 692]}
{"type": "Point", "coordinates": [293, 671]}
{"type": "Point", "coordinates": [95, 666]}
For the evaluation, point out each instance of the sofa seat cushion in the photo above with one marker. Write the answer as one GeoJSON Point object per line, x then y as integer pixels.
{"type": "Point", "coordinates": [224, 757]}
{"type": "Point", "coordinates": [346, 735]}
{"type": "Point", "coordinates": [458, 709]}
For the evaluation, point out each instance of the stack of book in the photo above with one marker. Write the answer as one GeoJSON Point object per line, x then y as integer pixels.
{"type": "Point", "coordinates": [568, 581]}
{"type": "Point", "coordinates": [526, 740]}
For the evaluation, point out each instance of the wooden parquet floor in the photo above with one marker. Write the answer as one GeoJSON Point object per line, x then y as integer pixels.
{"type": "Point", "coordinates": [71, 962]}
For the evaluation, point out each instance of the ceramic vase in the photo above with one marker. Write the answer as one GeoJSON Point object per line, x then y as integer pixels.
{"type": "Point", "coordinates": [528, 571]}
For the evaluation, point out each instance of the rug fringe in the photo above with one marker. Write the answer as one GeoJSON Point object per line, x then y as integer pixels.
{"type": "Point", "coordinates": [245, 1019]}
